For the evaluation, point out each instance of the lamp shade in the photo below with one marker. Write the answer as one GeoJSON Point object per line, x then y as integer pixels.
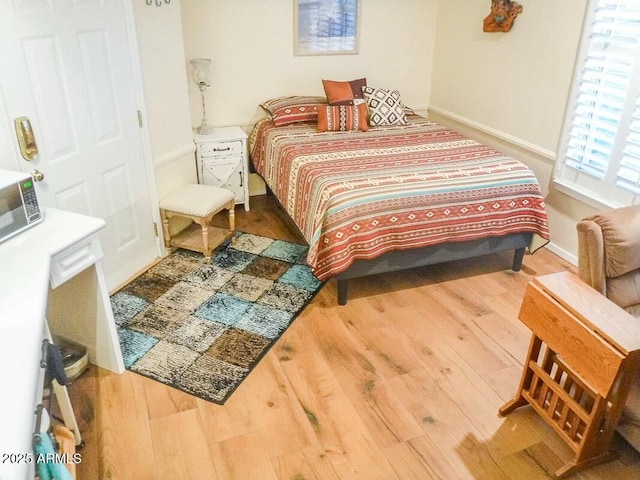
{"type": "Point", "coordinates": [201, 70]}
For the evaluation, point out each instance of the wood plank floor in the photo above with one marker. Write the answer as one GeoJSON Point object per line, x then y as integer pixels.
{"type": "Point", "coordinates": [404, 382]}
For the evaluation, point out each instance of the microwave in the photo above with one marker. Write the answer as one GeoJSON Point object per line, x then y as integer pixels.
{"type": "Point", "coordinates": [19, 208]}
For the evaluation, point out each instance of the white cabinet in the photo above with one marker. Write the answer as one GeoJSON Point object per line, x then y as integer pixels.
{"type": "Point", "coordinates": [51, 281]}
{"type": "Point", "coordinates": [222, 161]}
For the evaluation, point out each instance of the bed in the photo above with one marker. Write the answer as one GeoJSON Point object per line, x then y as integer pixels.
{"type": "Point", "coordinates": [397, 196]}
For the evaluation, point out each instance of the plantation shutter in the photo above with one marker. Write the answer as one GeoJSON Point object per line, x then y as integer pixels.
{"type": "Point", "coordinates": [628, 176]}
{"type": "Point", "coordinates": [599, 154]}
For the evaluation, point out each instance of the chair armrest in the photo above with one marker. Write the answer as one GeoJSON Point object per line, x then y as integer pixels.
{"type": "Point", "coordinates": [591, 266]}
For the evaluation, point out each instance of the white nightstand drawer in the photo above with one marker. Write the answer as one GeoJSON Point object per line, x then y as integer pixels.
{"type": "Point", "coordinates": [220, 149]}
{"type": "Point", "coordinates": [73, 260]}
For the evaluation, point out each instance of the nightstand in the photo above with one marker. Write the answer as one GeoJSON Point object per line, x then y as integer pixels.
{"type": "Point", "coordinates": [222, 161]}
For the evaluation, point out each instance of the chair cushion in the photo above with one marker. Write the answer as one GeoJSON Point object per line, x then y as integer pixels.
{"type": "Point", "coordinates": [625, 291]}
{"type": "Point", "coordinates": [197, 200]}
{"type": "Point", "coordinates": [621, 235]}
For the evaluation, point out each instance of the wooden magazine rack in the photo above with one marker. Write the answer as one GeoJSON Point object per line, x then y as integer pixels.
{"type": "Point", "coordinates": [580, 365]}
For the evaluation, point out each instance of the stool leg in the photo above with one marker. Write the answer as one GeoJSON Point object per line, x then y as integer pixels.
{"type": "Point", "coordinates": [204, 224]}
{"type": "Point", "coordinates": [232, 219]}
{"type": "Point", "coordinates": [165, 228]}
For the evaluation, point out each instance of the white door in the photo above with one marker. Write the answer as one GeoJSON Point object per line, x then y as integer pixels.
{"type": "Point", "coordinates": [66, 65]}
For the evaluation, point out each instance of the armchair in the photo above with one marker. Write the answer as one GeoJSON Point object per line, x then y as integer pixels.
{"type": "Point", "coordinates": [609, 261]}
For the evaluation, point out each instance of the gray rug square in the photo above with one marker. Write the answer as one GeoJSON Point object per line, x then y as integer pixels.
{"type": "Point", "coordinates": [183, 296]}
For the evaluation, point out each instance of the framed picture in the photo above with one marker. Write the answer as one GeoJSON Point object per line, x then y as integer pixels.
{"type": "Point", "coordinates": [326, 27]}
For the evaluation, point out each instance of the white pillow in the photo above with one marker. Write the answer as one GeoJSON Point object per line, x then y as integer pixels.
{"type": "Point", "coordinates": [385, 107]}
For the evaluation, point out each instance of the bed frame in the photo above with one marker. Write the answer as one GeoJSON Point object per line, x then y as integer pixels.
{"type": "Point", "coordinates": [447, 252]}
{"type": "Point", "coordinates": [420, 257]}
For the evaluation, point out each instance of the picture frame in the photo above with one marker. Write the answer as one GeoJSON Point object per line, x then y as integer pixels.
{"type": "Point", "coordinates": [326, 27]}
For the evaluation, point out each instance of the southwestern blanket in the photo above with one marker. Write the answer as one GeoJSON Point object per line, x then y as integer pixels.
{"type": "Point", "coordinates": [356, 195]}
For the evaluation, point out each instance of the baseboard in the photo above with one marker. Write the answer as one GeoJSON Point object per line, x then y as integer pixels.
{"type": "Point", "coordinates": [562, 253]}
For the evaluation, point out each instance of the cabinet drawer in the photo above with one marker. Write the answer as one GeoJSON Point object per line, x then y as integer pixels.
{"type": "Point", "coordinates": [220, 149]}
{"type": "Point", "coordinates": [73, 260]}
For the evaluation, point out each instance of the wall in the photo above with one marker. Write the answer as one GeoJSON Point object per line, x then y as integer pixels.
{"type": "Point", "coordinates": [510, 89]}
{"type": "Point", "coordinates": [168, 117]}
{"type": "Point", "coordinates": [251, 47]}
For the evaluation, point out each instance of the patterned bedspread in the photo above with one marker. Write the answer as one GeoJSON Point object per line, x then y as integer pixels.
{"type": "Point", "coordinates": [357, 195]}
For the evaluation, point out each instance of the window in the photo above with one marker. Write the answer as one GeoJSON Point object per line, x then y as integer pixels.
{"type": "Point", "coordinates": [599, 153]}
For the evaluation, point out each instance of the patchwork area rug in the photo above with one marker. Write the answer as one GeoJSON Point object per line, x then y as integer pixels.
{"type": "Point", "coordinates": [201, 327]}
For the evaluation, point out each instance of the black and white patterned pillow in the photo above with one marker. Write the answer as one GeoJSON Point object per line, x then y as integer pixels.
{"type": "Point", "coordinates": [385, 107]}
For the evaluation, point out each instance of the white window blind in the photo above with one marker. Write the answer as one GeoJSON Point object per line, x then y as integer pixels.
{"type": "Point", "coordinates": [599, 153]}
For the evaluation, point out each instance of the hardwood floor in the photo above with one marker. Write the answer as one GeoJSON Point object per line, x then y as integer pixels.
{"type": "Point", "coordinates": [404, 382]}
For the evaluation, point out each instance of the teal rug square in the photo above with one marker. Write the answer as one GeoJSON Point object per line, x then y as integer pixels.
{"type": "Point", "coordinates": [285, 251]}
{"type": "Point", "coordinates": [224, 308]}
{"type": "Point", "coordinates": [300, 276]}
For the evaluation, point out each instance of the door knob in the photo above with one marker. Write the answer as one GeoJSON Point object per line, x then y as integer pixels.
{"type": "Point", "coordinates": [26, 138]}
{"type": "Point", "coordinates": [37, 175]}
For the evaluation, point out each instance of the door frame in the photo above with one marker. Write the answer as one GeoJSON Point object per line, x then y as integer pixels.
{"type": "Point", "coordinates": [145, 139]}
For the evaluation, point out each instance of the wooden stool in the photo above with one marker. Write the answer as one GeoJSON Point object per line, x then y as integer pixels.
{"type": "Point", "coordinates": [581, 363]}
{"type": "Point", "coordinates": [199, 203]}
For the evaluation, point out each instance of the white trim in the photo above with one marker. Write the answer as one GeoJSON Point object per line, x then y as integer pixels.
{"type": "Point", "coordinates": [542, 152]}
{"type": "Point", "coordinates": [178, 153]}
{"type": "Point", "coordinates": [573, 190]}
{"type": "Point", "coordinates": [145, 139]}
{"type": "Point", "coordinates": [562, 253]}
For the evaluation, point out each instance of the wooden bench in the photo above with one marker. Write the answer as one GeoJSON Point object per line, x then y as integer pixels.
{"type": "Point", "coordinates": [199, 203]}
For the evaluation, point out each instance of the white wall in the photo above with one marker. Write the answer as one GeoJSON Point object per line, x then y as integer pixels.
{"type": "Point", "coordinates": [159, 32]}
{"type": "Point", "coordinates": [251, 47]}
{"type": "Point", "coordinates": [515, 82]}
{"type": "Point", "coordinates": [510, 89]}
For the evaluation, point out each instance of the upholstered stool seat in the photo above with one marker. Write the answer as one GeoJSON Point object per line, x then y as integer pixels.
{"type": "Point", "coordinates": [199, 203]}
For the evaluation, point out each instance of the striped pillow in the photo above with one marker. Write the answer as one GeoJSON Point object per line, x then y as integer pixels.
{"type": "Point", "coordinates": [293, 109]}
{"type": "Point", "coordinates": [341, 118]}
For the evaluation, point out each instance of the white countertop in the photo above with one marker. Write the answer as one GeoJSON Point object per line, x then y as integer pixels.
{"type": "Point", "coordinates": [24, 286]}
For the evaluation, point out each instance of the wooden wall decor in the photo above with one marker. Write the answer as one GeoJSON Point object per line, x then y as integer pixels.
{"type": "Point", "coordinates": [503, 13]}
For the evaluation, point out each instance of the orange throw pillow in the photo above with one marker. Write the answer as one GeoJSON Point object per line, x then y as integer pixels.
{"type": "Point", "coordinates": [344, 93]}
{"type": "Point", "coordinates": [341, 118]}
